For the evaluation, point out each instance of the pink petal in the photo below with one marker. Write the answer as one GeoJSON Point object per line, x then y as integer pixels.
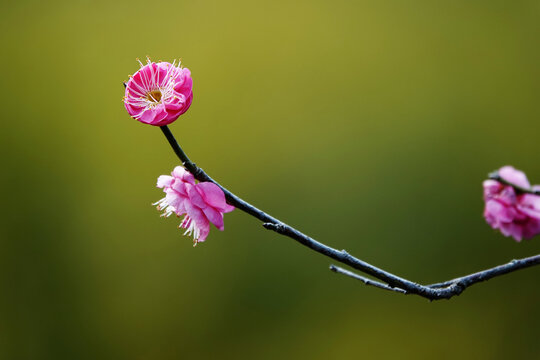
{"type": "Point", "coordinates": [491, 188]}
{"type": "Point", "coordinates": [194, 196]}
{"type": "Point", "coordinates": [530, 205]}
{"type": "Point", "coordinates": [181, 207]}
{"type": "Point", "coordinates": [214, 216]}
{"type": "Point", "coordinates": [228, 209]}
{"type": "Point", "coordinates": [507, 196]}
{"type": "Point", "coordinates": [531, 229]}
{"type": "Point", "coordinates": [196, 215]}
{"type": "Point", "coordinates": [180, 187]}
{"type": "Point", "coordinates": [514, 176]}
{"type": "Point", "coordinates": [161, 73]}
{"type": "Point", "coordinates": [133, 111]}
{"type": "Point", "coordinates": [213, 196]}
{"type": "Point", "coordinates": [139, 81]}
{"type": "Point", "coordinates": [203, 233]}
{"type": "Point", "coordinates": [511, 229]}
{"type": "Point", "coordinates": [184, 175]}
{"type": "Point", "coordinates": [187, 103]}
{"type": "Point", "coordinates": [153, 116]}
{"type": "Point", "coordinates": [173, 107]}
{"type": "Point", "coordinates": [174, 200]}
{"type": "Point", "coordinates": [164, 181]}
{"type": "Point", "coordinates": [184, 82]}
{"type": "Point", "coordinates": [160, 114]}
{"type": "Point", "coordinates": [147, 116]}
{"type": "Point", "coordinates": [498, 211]}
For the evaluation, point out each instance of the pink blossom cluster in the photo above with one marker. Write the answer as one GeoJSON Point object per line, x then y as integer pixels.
{"type": "Point", "coordinates": [158, 93]}
{"type": "Point", "coordinates": [200, 204]}
{"type": "Point", "coordinates": [514, 214]}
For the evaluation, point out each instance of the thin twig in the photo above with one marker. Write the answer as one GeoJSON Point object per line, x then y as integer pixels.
{"type": "Point", "coordinates": [365, 280]}
{"type": "Point", "coordinates": [491, 273]}
{"type": "Point", "coordinates": [444, 290]}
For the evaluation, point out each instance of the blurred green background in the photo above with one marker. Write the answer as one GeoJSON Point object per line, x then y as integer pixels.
{"type": "Point", "coordinates": [369, 125]}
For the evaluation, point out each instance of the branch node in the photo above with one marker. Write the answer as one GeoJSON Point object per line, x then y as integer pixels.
{"type": "Point", "coordinates": [345, 254]}
{"type": "Point", "coordinates": [269, 226]}
{"type": "Point", "coordinates": [273, 226]}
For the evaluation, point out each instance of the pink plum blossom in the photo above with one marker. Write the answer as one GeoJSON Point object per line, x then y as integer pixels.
{"type": "Point", "coordinates": [158, 93]}
{"type": "Point", "coordinates": [514, 214]}
{"type": "Point", "coordinates": [200, 204]}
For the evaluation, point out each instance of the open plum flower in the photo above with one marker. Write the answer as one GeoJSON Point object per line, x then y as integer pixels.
{"type": "Point", "coordinates": [513, 213]}
{"type": "Point", "coordinates": [200, 204]}
{"type": "Point", "coordinates": [158, 93]}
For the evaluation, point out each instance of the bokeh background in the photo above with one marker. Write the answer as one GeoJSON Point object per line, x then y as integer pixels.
{"type": "Point", "coordinates": [369, 125]}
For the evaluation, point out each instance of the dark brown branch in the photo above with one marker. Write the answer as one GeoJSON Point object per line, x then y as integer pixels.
{"type": "Point", "coordinates": [444, 290]}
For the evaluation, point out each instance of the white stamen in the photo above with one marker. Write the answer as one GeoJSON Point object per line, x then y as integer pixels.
{"type": "Point", "coordinates": [187, 223]}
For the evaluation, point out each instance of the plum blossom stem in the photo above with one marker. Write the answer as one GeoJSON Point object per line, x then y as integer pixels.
{"type": "Point", "coordinates": [388, 281]}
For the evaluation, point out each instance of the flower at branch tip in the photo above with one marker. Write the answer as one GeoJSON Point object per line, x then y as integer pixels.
{"type": "Point", "coordinates": [158, 93]}
{"type": "Point", "coordinates": [514, 214]}
{"type": "Point", "coordinates": [200, 204]}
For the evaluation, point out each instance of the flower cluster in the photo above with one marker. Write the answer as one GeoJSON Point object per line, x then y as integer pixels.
{"type": "Point", "coordinates": [158, 93]}
{"type": "Point", "coordinates": [200, 204]}
{"type": "Point", "coordinates": [513, 213]}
